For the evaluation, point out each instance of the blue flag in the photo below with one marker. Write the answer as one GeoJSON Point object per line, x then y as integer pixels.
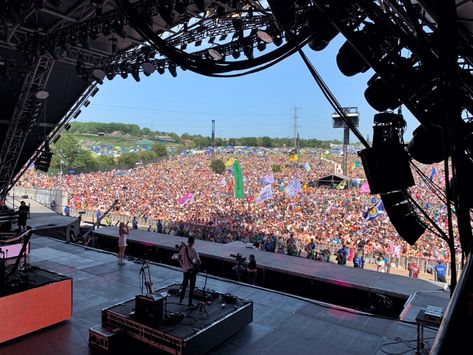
{"type": "Point", "coordinates": [265, 194]}
{"type": "Point", "coordinates": [293, 188]}
{"type": "Point", "coordinates": [267, 179]}
{"type": "Point", "coordinates": [433, 173]}
{"type": "Point", "coordinates": [374, 211]}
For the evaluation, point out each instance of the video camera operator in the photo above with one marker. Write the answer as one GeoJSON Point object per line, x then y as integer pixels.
{"type": "Point", "coordinates": [240, 266]}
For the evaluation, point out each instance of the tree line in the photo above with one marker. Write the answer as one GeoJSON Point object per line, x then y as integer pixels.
{"type": "Point", "coordinates": [195, 141]}
{"type": "Point", "coordinates": [68, 154]}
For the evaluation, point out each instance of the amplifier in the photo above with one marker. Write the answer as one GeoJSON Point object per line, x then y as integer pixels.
{"type": "Point", "coordinates": [149, 309]}
{"type": "Point", "coordinates": [207, 296]}
{"type": "Point", "coordinates": [229, 299]}
{"type": "Point", "coordinates": [106, 337]}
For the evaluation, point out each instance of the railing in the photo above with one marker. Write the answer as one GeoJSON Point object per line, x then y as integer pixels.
{"type": "Point", "coordinates": [218, 234]}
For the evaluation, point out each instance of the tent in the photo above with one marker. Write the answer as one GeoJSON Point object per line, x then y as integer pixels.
{"type": "Point", "coordinates": [334, 180]}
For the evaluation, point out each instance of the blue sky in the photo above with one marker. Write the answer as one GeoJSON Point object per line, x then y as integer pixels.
{"type": "Point", "coordinates": [260, 104]}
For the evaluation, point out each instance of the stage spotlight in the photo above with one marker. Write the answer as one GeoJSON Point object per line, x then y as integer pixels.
{"type": "Point", "coordinates": [211, 40]}
{"type": "Point", "coordinates": [322, 29]}
{"type": "Point", "coordinates": [236, 52]}
{"type": "Point", "coordinates": [198, 43]}
{"type": "Point", "coordinates": [380, 96]}
{"type": "Point", "coordinates": [106, 29]}
{"type": "Point", "coordinates": [67, 126]}
{"type": "Point", "coordinates": [99, 75]}
{"type": "Point", "coordinates": [135, 72]}
{"type": "Point", "coordinates": [248, 51]}
{"type": "Point", "coordinates": [277, 39]}
{"type": "Point", "coordinates": [160, 69]}
{"type": "Point", "coordinates": [117, 27]}
{"type": "Point", "coordinates": [148, 68]}
{"type": "Point", "coordinates": [261, 46]}
{"type": "Point", "coordinates": [110, 74]}
{"type": "Point", "coordinates": [375, 42]}
{"type": "Point", "coordinates": [86, 103]}
{"type": "Point", "coordinates": [215, 54]}
{"type": "Point", "coordinates": [426, 145]}
{"type": "Point", "coordinates": [42, 95]}
{"type": "Point", "coordinates": [264, 36]}
{"type": "Point", "coordinates": [124, 70]}
{"type": "Point", "coordinates": [172, 69]}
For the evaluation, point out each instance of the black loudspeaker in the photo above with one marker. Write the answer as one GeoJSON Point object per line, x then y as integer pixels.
{"type": "Point", "coordinates": [387, 168]}
{"type": "Point", "coordinates": [149, 309]}
{"type": "Point", "coordinates": [403, 216]}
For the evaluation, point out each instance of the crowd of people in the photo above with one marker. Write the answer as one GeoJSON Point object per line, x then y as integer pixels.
{"type": "Point", "coordinates": [330, 214]}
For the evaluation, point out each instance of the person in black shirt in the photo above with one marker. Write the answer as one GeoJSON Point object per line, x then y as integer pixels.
{"type": "Point", "coordinates": [252, 270]}
{"type": "Point", "coordinates": [22, 216]}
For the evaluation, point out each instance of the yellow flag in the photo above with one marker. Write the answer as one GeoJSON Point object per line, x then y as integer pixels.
{"type": "Point", "coordinates": [293, 157]}
{"type": "Point", "coordinates": [229, 163]}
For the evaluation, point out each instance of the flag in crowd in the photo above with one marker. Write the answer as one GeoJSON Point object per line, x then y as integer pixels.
{"type": "Point", "coordinates": [293, 156]}
{"type": "Point", "coordinates": [267, 179]}
{"type": "Point", "coordinates": [223, 182]}
{"type": "Point", "coordinates": [293, 188]}
{"type": "Point", "coordinates": [265, 194]}
{"type": "Point", "coordinates": [365, 187]}
{"type": "Point", "coordinates": [433, 173]}
{"type": "Point", "coordinates": [229, 163]}
{"type": "Point", "coordinates": [186, 198]}
{"type": "Point", "coordinates": [238, 176]}
{"type": "Point", "coordinates": [356, 164]}
{"type": "Point", "coordinates": [342, 185]}
{"type": "Point", "coordinates": [374, 211]}
{"type": "Point", "coordinates": [307, 166]}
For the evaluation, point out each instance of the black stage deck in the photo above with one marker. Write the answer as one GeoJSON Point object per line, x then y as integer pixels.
{"type": "Point", "coordinates": [328, 282]}
{"type": "Point", "coordinates": [282, 324]}
{"type": "Point", "coordinates": [180, 329]}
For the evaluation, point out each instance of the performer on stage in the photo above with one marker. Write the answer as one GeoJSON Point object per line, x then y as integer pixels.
{"type": "Point", "coordinates": [123, 231]}
{"type": "Point", "coordinates": [190, 261]}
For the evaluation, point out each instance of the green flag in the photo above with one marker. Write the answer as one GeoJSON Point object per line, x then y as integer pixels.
{"type": "Point", "coordinates": [238, 176]}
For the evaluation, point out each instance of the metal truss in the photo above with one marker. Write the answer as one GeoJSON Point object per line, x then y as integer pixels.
{"type": "Point", "coordinates": [25, 116]}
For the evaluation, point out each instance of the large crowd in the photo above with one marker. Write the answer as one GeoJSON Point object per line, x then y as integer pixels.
{"type": "Point", "coordinates": [325, 214]}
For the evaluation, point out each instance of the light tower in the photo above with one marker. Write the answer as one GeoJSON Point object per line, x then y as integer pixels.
{"type": "Point", "coordinates": [338, 122]}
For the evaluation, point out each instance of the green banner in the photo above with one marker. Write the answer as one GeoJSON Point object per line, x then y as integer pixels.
{"type": "Point", "coordinates": [238, 176]}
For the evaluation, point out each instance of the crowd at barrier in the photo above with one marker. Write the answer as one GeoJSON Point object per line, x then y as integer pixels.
{"type": "Point", "coordinates": [331, 216]}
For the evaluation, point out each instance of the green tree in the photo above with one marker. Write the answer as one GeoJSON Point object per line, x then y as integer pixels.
{"type": "Point", "coordinates": [104, 160]}
{"type": "Point", "coordinates": [128, 159]}
{"type": "Point", "coordinates": [266, 142]}
{"type": "Point", "coordinates": [217, 166]}
{"type": "Point", "coordinates": [159, 150]}
{"type": "Point", "coordinates": [68, 154]}
{"type": "Point", "coordinates": [276, 168]}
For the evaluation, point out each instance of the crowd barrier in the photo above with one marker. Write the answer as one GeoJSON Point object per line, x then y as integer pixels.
{"type": "Point", "coordinates": [426, 265]}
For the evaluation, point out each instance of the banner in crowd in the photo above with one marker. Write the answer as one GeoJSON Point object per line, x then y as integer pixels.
{"type": "Point", "coordinates": [307, 166]}
{"type": "Point", "coordinates": [342, 185]}
{"type": "Point", "coordinates": [293, 188]}
{"type": "Point", "coordinates": [238, 176]}
{"type": "Point", "coordinates": [293, 157]}
{"type": "Point", "coordinates": [433, 173]}
{"type": "Point", "coordinates": [265, 194]}
{"type": "Point", "coordinates": [267, 179]}
{"type": "Point", "coordinates": [365, 187]}
{"type": "Point", "coordinates": [374, 211]}
{"type": "Point", "coordinates": [186, 198]}
{"type": "Point", "coordinates": [229, 163]}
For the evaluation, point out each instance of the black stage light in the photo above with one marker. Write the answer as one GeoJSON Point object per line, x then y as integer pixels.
{"type": "Point", "coordinates": [323, 30]}
{"type": "Point", "coordinates": [375, 42]}
{"type": "Point", "coordinates": [110, 74]}
{"type": "Point", "coordinates": [93, 33]}
{"type": "Point", "coordinates": [135, 72]}
{"type": "Point", "coordinates": [264, 36]}
{"type": "Point", "coordinates": [76, 114]}
{"type": "Point", "coordinates": [172, 69]}
{"type": "Point", "coordinates": [106, 29]}
{"type": "Point", "coordinates": [160, 69]}
{"type": "Point", "coordinates": [211, 40]}
{"type": "Point", "coordinates": [200, 5]}
{"type": "Point", "coordinates": [236, 52]}
{"type": "Point", "coordinates": [124, 70]}
{"type": "Point", "coordinates": [215, 54]}
{"type": "Point", "coordinates": [248, 51]}
{"type": "Point", "coordinates": [261, 46]}
{"type": "Point", "coordinates": [277, 39]}
{"type": "Point", "coordinates": [99, 75]}
{"type": "Point", "coordinates": [148, 68]}
{"type": "Point", "coordinates": [117, 27]}
{"type": "Point", "coordinates": [380, 96]}
{"type": "Point", "coordinates": [426, 145]}
{"type": "Point", "coordinates": [180, 7]}
{"type": "Point", "coordinates": [198, 43]}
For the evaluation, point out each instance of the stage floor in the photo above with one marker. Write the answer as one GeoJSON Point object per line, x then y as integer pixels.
{"type": "Point", "coordinates": [281, 324]}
